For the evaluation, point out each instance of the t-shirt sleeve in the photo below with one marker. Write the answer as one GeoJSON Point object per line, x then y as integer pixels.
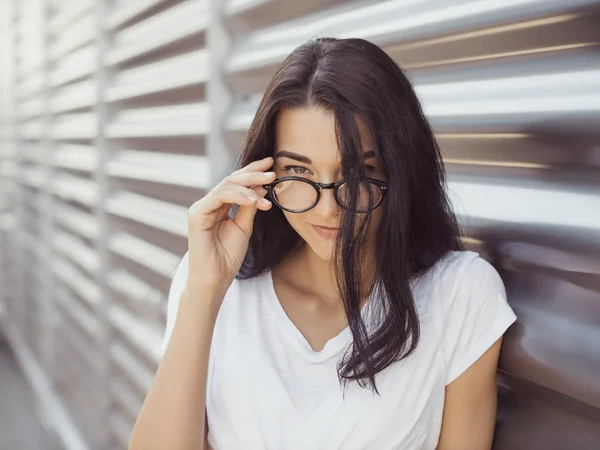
{"type": "Point", "coordinates": [478, 316]}
{"type": "Point", "coordinates": [175, 291]}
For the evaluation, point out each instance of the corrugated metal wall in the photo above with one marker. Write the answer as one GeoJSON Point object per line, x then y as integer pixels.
{"type": "Point", "coordinates": [116, 116]}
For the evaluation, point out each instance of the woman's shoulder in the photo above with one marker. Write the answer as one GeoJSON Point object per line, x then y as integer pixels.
{"type": "Point", "coordinates": [454, 259]}
{"type": "Point", "coordinates": [446, 272]}
{"type": "Point", "coordinates": [472, 306]}
{"type": "Point", "coordinates": [460, 281]}
{"type": "Point", "coordinates": [461, 275]}
{"type": "Point", "coordinates": [453, 265]}
{"type": "Point", "coordinates": [466, 269]}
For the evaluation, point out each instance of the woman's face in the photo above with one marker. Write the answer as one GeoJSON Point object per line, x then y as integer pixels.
{"type": "Point", "coordinates": [306, 146]}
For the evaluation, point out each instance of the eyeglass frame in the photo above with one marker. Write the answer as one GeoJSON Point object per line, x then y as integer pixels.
{"type": "Point", "coordinates": [382, 185]}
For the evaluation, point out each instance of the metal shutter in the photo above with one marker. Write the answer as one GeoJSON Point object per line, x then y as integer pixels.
{"type": "Point", "coordinates": [513, 91]}
{"type": "Point", "coordinates": [109, 151]}
{"type": "Point", "coordinates": [155, 166]}
{"type": "Point", "coordinates": [117, 115]}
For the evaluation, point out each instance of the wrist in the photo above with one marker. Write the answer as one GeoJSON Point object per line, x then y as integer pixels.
{"type": "Point", "coordinates": [205, 305]}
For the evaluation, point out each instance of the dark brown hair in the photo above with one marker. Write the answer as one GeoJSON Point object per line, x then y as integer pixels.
{"type": "Point", "coordinates": [350, 77]}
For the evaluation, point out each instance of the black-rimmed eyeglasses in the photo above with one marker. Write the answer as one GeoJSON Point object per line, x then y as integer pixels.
{"type": "Point", "coordinates": [297, 194]}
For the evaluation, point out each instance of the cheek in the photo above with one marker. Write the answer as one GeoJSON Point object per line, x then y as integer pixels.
{"type": "Point", "coordinates": [297, 222]}
{"type": "Point", "coordinates": [377, 218]}
{"type": "Point", "coordinates": [301, 223]}
{"type": "Point", "coordinates": [375, 225]}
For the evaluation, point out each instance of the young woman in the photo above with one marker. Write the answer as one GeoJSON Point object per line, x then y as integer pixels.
{"type": "Point", "coordinates": [344, 312]}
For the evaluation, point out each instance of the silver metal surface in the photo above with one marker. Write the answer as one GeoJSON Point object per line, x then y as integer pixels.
{"type": "Point", "coordinates": [115, 116]}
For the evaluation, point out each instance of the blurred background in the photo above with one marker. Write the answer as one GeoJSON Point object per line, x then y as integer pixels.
{"type": "Point", "coordinates": [115, 116]}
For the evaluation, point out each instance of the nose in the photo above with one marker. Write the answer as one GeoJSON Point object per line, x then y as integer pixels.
{"type": "Point", "coordinates": [327, 207]}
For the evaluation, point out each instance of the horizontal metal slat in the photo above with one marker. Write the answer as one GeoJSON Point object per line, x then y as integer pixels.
{"type": "Point", "coordinates": [74, 65]}
{"type": "Point", "coordinates": [30, 108]}
{"type": "Point", "coordinates": [150, 256]}
{"type": "Point", "coordinates": [75, 157]}
{"type": "Point", "coordinates": [144, 337]}
{"type": "Point", "coordinates": [129, 402]}
{"type": "Point", "coordinates": [554, 292]}
{"type": "Point", "coordinates": [530, 417]}
{"type": "Point", "coordinates": [28, 18]}
{"type": "Point", "coordinates": [34, 154]}
{"type": "Point", "coordinates": [78, 314]}
{"type": "Point", "coordinates": [158, 31]}
{"type": "Point", "coordinates": [552, 93]}
{"type": "Point", "coordinates": [510, 101]}
{"type": "Point", "coordinates": [77, 221]}
{"type": "Point", "coordinates": [30, 52]}
{"type": "Point", "coordinates": [67, 12]}
{"type": "Point", "coordinates": [75, 126]}
{"type": "Point", "coordinates": [78, 252]}
{"type": "Point", "coordinates": [74, 96]}
{"type": "Point", "coordinates": [178, 170]}
{"type": "Point", "coordinates": [77, 282]}
{"type": "Point", "coordinates": [550, 42]}
{"type": "Point", "coordinates": [27, 243]}
{"type": "Point", "coordinates": [8, 222]}
{"type": "Point", "coordinates": [121, 426]}
{"type": "Point", "coordinates": [125, 10]}
{"type": "Point", "coordinates": [139, 373]}
{"type": "Point", "coordinates": [525, 205]}
{"type": "Point", "coordinates": [80, 377]}
{"type": "Point", "coordinates": [76, 189]}
{"type": "Point", "coordinates": [32, 129]}
{"type": "Point", "coordinates": [76, 35]}
{"type": "Point", "coordinates": [143, 298]}
{"type": "Point", "coordinates": [179, 120]}
{"type": "Point", "coordinates": [389, 22]}
{"type": "Point", "coordinates": [9, 169]}
{"type": "Point", "coordinates": [186, 70]}
{"type": "Point", "coordinates": [34, 177]}
{"type": "Point", "coordinates": [28, 42]}
{"type": "Point", "coordinates": [26, 67]}
{"type": "Point", "coordinates": [150, 212]}
{"type": "Point", "coordinates": [30, 85]}
{"type": "Point", "coordinates": [273, 10]}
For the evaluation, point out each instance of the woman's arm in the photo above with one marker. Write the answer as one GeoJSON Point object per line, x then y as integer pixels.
{"type": "Point", "coordinates": [470, 406]}
{"type": "Point", "coordinates": [173, 415]}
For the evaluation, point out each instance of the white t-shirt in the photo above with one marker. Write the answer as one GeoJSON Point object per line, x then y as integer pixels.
{"type": "Point", "coordinates": [267, 388]}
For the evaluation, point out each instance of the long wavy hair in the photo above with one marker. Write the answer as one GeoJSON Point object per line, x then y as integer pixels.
{"type": "Point", "coordinates": [350, 77]}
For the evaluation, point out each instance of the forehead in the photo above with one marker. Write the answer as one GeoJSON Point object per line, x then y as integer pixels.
{"type": "Point", "coordinates": [311, 132]}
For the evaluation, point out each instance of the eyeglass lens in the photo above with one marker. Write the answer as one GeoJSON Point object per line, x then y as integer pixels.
{"type": "Point", "coordinates": [297, 195]}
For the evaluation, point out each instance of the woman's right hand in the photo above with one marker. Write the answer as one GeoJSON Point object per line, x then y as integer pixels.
{"type": "Point", "coordinates": [217, 244]}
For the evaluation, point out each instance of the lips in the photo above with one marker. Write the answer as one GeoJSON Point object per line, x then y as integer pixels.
{"type": "Point", "coordinates": [326, 232]}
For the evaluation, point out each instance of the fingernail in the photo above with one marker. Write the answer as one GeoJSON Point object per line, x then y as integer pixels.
{"type": "Point", "coordinates": [269, 174]}
{"type": "Point", "coordinates": [265, 201]}
{"type": "Point", "coordinates": [252, 198]}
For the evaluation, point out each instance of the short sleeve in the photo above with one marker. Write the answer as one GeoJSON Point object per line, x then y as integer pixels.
{"type": "Point", "coordinates": [175, 291]}
{"type": "Point", "coordinates": [477, 316]}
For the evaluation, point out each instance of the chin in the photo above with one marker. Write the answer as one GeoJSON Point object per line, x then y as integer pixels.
{"type": "Point", "coordinates": [322, 248]}
{"type": "Point", "coordinates": [324, 253]}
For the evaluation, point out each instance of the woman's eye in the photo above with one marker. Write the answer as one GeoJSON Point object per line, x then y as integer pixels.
{"type": "Point", "coordinates": [296, 170]}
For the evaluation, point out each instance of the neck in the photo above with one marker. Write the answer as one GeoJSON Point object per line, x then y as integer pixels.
{"type": "Point", "coordinates": [320, 275]}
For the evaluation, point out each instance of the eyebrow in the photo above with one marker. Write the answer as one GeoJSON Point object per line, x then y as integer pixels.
{"type": "Point", "coordinates": [306, 160]}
